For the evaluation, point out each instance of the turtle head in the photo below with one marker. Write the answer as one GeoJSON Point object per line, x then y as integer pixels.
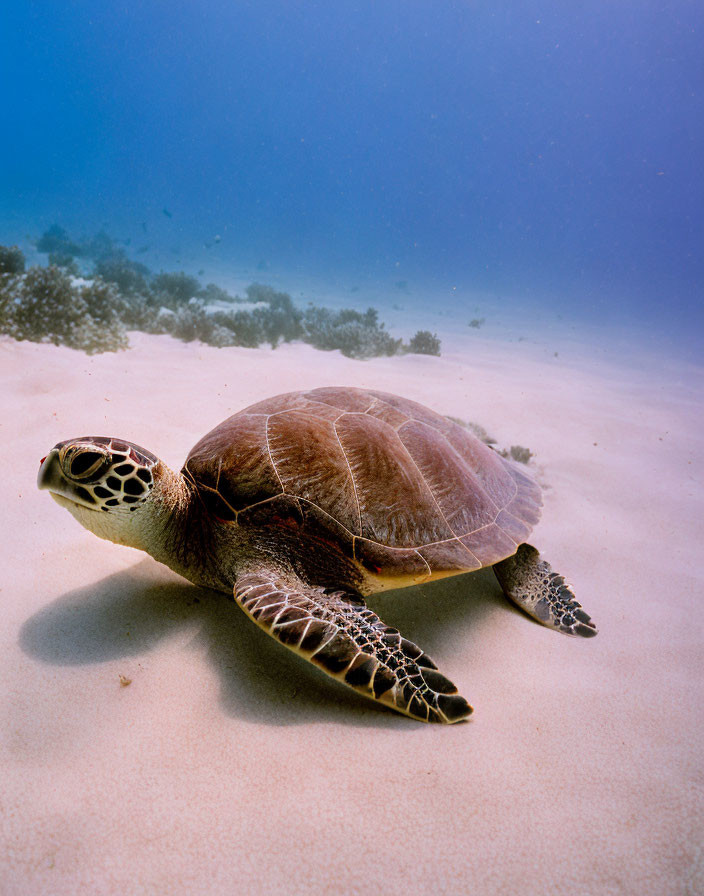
{"type": "Point", "coordinates": [125, 494]}
{"type": "Point", "coordinates": [103, 482]}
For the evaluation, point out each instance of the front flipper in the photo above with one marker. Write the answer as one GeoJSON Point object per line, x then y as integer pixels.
{"type": "Point", "coordinates": [343, 637]}
{"type": "Point", "coordinates": [535, 587]}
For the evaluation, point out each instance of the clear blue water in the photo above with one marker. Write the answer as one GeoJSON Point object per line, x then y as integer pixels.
{"type": "Point", "coordinates": [544, 152]}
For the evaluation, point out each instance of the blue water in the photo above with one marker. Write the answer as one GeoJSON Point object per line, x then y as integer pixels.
{"type": "Point", "coordinates": [549, 152]}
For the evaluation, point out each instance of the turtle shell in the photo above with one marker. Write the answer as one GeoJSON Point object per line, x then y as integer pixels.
{"type": "Point", "coordinates": [394, 486]}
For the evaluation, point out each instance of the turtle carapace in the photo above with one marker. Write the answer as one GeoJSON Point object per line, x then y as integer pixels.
{"type": "Point", "coordinates": [304, 504]}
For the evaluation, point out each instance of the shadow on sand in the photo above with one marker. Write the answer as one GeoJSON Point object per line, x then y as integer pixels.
{"type": "Point", "coordinates": [129, 613]}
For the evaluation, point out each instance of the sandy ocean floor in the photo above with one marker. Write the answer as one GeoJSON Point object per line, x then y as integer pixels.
{"type": "Point", "coordinates": [228, 765]}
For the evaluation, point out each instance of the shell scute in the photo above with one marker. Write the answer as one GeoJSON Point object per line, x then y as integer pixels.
{"type": "Point", "coordinates": [455, 486]}
{"type": "Point", "coordinates": [233, 460]}
{"type": "Point", "coordinates": [381, 560]}
{"type": "Point", "coordinates": [492, 472]}
{"type": "Point", "coordinates": [412, 410]}
{"type": "Point", "coordinates": [512, 526]}
{"type": "Point", "coordinates": [317, 470]}
{"type": "Point", "coordinates": [396, 505]}
{"type": "Point", "coordinates": [489, 544]}
{"type": "Point", "coordinates": [342, 399]}
{"type": "Point", "coordinates": [382, 410]}
{"type": "Point", "coordinates": [448, 555]}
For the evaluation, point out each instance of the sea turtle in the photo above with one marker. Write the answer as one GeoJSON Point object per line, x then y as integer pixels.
{"type": "Point", "coordinates": [303, 504]}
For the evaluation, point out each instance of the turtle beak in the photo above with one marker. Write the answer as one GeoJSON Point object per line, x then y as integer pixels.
{"type": "Point", "coordinates": [66, 493]}
{"type": "Point", "coordinates": [50, 475]}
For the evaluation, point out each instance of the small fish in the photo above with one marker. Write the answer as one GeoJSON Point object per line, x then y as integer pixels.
{"type": "Point", "coordinates": [167, 213]}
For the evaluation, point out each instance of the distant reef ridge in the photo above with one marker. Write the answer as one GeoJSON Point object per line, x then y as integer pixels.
{"type": "Point", "coordinates": [91, 304]}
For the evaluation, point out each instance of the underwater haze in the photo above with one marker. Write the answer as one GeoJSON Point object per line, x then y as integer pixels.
{"type": "Point", "coordinates": [544, 154]}
{"type": "Point", "coordinates": [466, 239]}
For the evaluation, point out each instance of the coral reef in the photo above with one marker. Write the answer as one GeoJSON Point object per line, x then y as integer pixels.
{"type": "Point", "coordinates": [355, 334]}
{"type": "Point", "coordinates": [281, 321]}
{"type": "Point", "coordinates": [67, 262]}
{"type": "Point", "coordinates": [212, 293]}
{"type": "Point", "coordinates": [44, 305]}
{"type": "Point", "coordinates": [130, 277]}
{"type": "Point", "coordinates": [174, 290]}
{"type": "Point", "coordinates": [54, 304]}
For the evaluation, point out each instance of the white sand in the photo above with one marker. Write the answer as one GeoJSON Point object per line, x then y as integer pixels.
{"type": "Point", "coordinates": [230, 766]}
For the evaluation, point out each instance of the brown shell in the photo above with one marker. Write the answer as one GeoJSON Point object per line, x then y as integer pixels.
{"type": "Point", "coordinates": [391, 484]}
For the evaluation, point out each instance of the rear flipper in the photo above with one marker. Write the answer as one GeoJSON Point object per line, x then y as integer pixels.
{"type": "Point", "coordinates": [533, 585]}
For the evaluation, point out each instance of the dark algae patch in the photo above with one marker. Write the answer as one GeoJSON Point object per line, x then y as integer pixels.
{"type": "Point", "coordinates": [92, 293]}
{"type": "Point", "coordinates": [11, 260]}
{"type": "Point", "coordinates": [357, 334]}
{"type": "Point", "coordinates": [518, 453]}
{"type": "Point", "coordinates": [424, 343]}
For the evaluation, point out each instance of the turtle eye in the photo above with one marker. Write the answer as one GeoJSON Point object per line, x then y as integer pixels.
{"type": "Point", "coordinates": [85, 464]}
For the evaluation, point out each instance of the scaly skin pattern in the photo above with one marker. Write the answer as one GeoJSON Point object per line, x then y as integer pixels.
{"type": "Point", "coordinates": [533, 585]}
{"type": "Point", "coordinates": [337, 632]}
